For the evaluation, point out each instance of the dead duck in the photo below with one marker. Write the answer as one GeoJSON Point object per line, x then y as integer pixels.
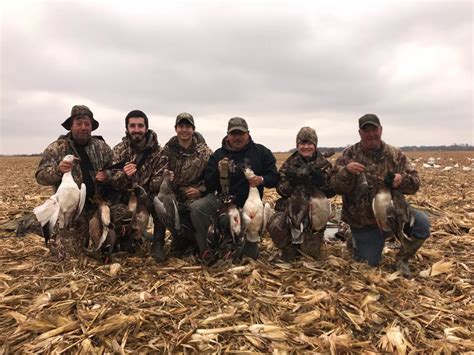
{"type": "Point", "coordinates": [225, 237]}
{"type": "Point", "coordinates": [253, 212]}
{"type": "Point", "coordinates": [361, 186]}
{"type": "Point", "coordinates": [298, 214]}
{"type": "Point", "coordinates": [102, 231]}
{"type": "Point", "coordinates": [166, 205]}
{"type": "Point", "coordinates": [65, 205]}
{"type": "Point", "coordinates": [392, 213]}
{"type": "Point", "coordinates": [319, 210]}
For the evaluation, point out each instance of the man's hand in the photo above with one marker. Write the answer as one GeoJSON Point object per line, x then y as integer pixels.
{"type": "Point", "coordinates": [171, 173]}
{"type": "Point", "coordinates": [255, 181]}
{"type": "Point", "coordinates": [192, 193]}
{"type": "Point", "coordinates": [101, 176]}
{"type": "Point", "coordinates": [65, 166]}
{"type": "Point", "coordinates": [397, 180]}
{"type": "Point", "coordinates": [130, 169]}
{"type": "Point", "coordinates": [355, 168]}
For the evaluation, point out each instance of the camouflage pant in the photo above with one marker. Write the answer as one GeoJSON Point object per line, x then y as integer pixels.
{"type": "Point", "coordinates": [280, 233]}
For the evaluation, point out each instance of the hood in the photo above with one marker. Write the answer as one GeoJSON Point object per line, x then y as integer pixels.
{"type": "Point", "coordinates": [227, 148]}
{"type": "Point", "coordinates": [173, 145]}
{"type": "Point", "coordinates": [151, 140]}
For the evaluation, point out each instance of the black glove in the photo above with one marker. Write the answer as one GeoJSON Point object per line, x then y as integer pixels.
{"type": "Point", "coordinates": [388, 179]}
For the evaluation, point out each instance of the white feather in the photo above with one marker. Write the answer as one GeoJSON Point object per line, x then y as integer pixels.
{"type": "Point", "coordinates": [65, 205]}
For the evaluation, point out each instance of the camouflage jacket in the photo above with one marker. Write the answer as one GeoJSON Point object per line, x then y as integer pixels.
{"type": "Point", "coordinates": [147, 159]}
{"type": "Point", "coordinates": [187, 164]}
{"type": "Point", "coordinates": [359, 214]}
{"type": "Point", "coordinates": [48, 172]}
{"type": "Point", "coordinates": [312, 172]}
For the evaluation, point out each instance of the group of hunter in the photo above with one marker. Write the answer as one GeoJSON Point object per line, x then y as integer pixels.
{"type": "Point", "coordinates": [129, 176]}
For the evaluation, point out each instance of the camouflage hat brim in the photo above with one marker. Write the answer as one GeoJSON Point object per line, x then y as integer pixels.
{"type": "Point", "coordinates": [238, 128]}
{"type": "Point", "coordinates": [187, 120]}
{"type": "Point", "coordinates": [362, 125]}
{"type": "Point", "coordinates": [68, 123]}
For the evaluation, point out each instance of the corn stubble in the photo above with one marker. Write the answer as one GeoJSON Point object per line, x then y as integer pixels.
{"type": "Point", "coordinates": [333, 305]}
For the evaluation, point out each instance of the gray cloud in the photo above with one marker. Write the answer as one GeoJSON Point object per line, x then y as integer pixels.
{"type": "Point", "coordinates": [281, 67]}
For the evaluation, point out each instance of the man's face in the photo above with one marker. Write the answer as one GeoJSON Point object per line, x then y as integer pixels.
{"type": "Point", "coordinates": [184, 131]}
{"type": "Point", "coordinates": [81, 129]}
{"type": "Point", "coordinates": [306, 148]}
{"type": "Point", "coordinates": [371, 137]}
{"type": "Point", "coordinates": [136, 129]}
{"type": "Point", "coordinates": [238, 140]}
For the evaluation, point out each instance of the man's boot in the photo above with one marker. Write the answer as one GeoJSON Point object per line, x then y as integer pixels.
{"type": "Point", "coordinates": [250, 249]}
{"type": "Point", "coordinates": [289, 252]}
{"type": "Point", "coordinates": [407, 251]}
{"type": "Point", "coordinates": [312, 244]}
{"type": "Point", "coordinates": [158, 243]}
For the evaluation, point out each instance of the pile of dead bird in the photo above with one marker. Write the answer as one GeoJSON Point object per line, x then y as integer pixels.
{"type": "Point", "coordinates": [332, 305]}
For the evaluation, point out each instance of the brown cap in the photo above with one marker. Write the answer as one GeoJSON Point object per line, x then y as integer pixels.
{"type": "Point", "coordinates": [237, 124]}
{"type": "Point", "coordinates": [79, 111]}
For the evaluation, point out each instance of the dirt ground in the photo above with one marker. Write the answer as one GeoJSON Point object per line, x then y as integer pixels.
{"type": "Point", "coordinates": [334, 305]}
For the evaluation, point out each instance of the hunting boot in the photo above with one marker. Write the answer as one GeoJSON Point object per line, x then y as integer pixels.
{"type": "Point", "coordinates": [407, 251]}
{"type": "Point", "coordinates": [312, 244]}
{"type": "Point", "coordinates": [250, 249]}
{"type": "Point", "coordinates": [289, 252]}
{"type": "Point", "coordinates": [350, 244]}
{"type": "Point", "coordinates": [158, 243]}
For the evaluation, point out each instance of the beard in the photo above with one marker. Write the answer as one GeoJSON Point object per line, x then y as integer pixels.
{"type": "Point", "coordinates": [137, 138]}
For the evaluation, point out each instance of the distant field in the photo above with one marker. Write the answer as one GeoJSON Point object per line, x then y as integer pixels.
{"type": "Point", "coordinates": [333, 305]}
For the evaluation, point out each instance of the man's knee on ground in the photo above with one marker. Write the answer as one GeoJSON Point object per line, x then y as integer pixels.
{"type": "Point", "coordinates": [369, 245]}
{"type": "Point", "coordinates": [422, 226]}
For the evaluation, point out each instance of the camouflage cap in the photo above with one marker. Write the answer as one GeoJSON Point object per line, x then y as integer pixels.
{"type": "Point", "coordinates": [307, 134]}
{"type": "Point", "coordinates": [237, 124]}
{"type": "Point", "coordinates": [369, 118]}
{"type": "Point", "coordinates": [79, 111]}
{"type": "Point", "coordinates": [184, 116]}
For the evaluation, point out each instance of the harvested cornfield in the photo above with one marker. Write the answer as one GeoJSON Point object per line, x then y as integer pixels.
{"type": "Point", "coordinates": [334, 305]}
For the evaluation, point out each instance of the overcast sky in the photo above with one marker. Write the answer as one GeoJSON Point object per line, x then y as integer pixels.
{"type": "Point", "coordinates": [279, 64]}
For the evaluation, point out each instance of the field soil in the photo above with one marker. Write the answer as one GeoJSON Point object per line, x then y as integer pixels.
{"type": "Point", "coordinates": [333, 305]}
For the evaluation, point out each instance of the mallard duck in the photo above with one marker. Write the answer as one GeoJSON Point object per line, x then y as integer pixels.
{"type": "Point", "coordinates": [392, 213]}
{"type": "Point", "coordinates": [298, 214]}
{"type": "Point", "coordinates": [319, 210]}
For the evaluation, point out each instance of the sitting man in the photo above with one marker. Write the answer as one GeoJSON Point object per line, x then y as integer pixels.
{"type": "Point", "coordinates": [304, 182]}
{"type": "Point", "coordinates": [239, 150]}
{"type": "Point", "coordinates": [135, 159]}
{"type": "Point", "coordinates": [94, 155]}
{"type": "Point", "coordinates": [379, 164]}
{"type": "Point", "coordinates": [186, 156]}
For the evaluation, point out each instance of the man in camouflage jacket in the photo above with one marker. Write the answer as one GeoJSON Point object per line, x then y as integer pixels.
{"type": "Point", "coordinates": [186, 155]}
{"type": "Point", "coordinates": [306, 169]}
{"type": "Point", "coordinates": [377, 160]}
{"type": "Point", "coordinates": [94, 156]}
{"type": "Point", "coordinates": [134, 160]}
